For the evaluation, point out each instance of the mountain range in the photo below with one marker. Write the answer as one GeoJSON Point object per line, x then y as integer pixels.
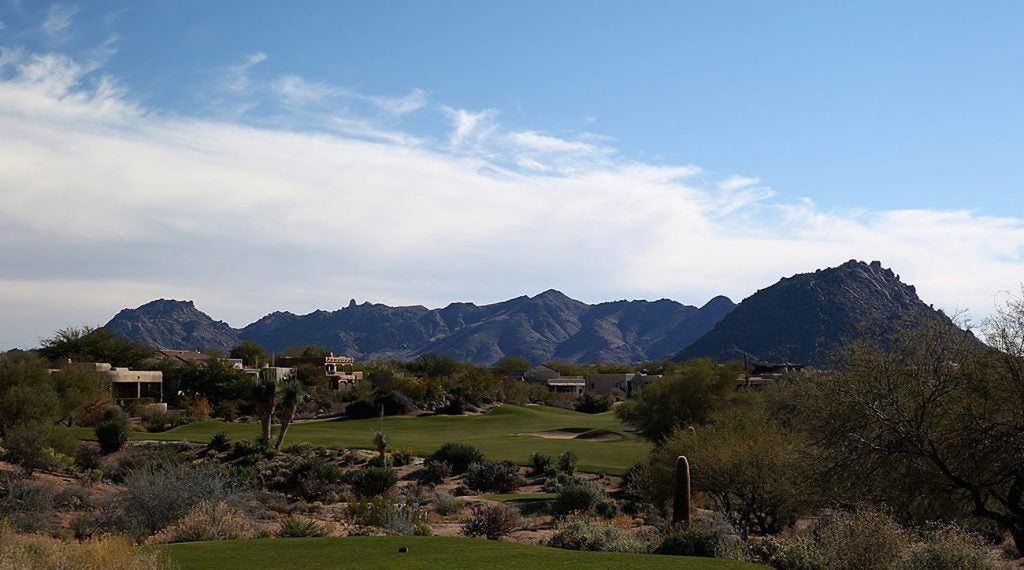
{"type": "Point", "coordinates": [802, 318]}
{"type": "Point", "coordinates": [548, 326]}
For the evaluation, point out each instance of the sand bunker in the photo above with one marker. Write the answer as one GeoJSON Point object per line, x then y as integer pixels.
{"type": "Point", "coordinates": [571, 433]}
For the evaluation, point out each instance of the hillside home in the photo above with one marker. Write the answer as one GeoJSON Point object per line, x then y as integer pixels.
{"type": "Point", "coordinates": [127, 384]}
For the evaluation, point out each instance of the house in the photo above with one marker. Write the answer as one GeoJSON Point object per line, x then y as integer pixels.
{"type": "Point", "coordinates": [766, 373]}
{"type": "Point", "coordinates": [127, 384]}
{"type": "Point", "coordinates": [338, 369]}
{"type": "Point", "coordinates": [541, 374]}
{"type": "Point", "coordinates": [180, 358]}
{"type": "Point", "coordinates": [568, 384]}
{"type": "Point", "coordinates": [627, 382]}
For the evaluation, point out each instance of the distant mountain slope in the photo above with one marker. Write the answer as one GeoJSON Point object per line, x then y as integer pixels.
{"type": "Point", "coordinates": [804, 318]}
{"type": "Point", "coordinates": [173, 324]}
{"type": "Point", "coordinates": [540, 328]}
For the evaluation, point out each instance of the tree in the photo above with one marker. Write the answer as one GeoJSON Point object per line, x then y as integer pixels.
{"type": "Point", "coordinates": [264, 399]}
{"type": "Point", "coordinates": [746, 463]}
{"type": "Point", "coordinates": [218, 382]}
{"type": "Point", "coordinates": [511, 364]}
{"type": "Point", "coordinates": [928, 405]}
{"type": "Point", "coordinates": [290, 395]}
{"type": "Point", "coordinates": [89, 344]}
{"type": "Point", "coordinates": [251, 353]}
{"type": "Point", "coordinates": [680, 401]}
{"type": "Point", "coordinates": [433, 365]}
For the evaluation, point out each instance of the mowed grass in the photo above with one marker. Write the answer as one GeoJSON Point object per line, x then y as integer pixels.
{"type": "Point", "coordinates": [369, 552]}
{"type": "Point", "coordinates": [501, 433]}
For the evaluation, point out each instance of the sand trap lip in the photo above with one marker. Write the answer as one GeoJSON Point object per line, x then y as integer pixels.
{"type": "Point", "coordinates": [573, 434]}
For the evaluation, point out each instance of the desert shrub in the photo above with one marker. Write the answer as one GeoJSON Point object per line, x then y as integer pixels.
{"type": "Point", "coordinates": [27, 445]}
{"type": "Point", "coordinates": [690, 542]}
{"type": "Point", "coordinates": [402, 457]}
{"type": "Point", "coordinates": [112, 430]}
{"type": "Point", "coordinates": [372, 481]}
{"type": "Point", "coordinates": [361, 409]}
{"type": "Point", "coordinates": [435, 472]}
{"type": "Point", "coordinates": [34, 552]}
{"type": "Point", "coordinates": [391, 517]}
{"type": "Point", "coordinates": [300, 527]}
{"type": "Point", "coordinates": [796, 554]}
{"type": "Point", "coordinates": [591, 404]}
{"type": "Point", "coordinates": [72, 497]}
{"type": "Point", "coordinates": [950, 548]}
{"type": "Point", "coordinates": [555, 484]}
{"type": "Point", "coordinates": [57, 461]}
{"type": "Point", "coordinates": [567, 462]}
{"type": "Point", "coordinates": [25, 503]}
{"type": "Point", "coordinates": [313, 479]}
{"type": "Point", "coordinates": [394, 403]}
{"type": "Point", "coordinates": [446, 504]}
{"type": "Point", "coordinates": [607, 508]}
{"type": "Point", "coordinates": [862, 539]}
{"type": "Point", "coordinates": [581, 533]}
{"type": "Point", "coordinates": [494, 476]}
{"type": "Point", "coordinates": [156, 420]}
{"type": "Point", "coordinates": [156, 497]}
{"type": "Point", "coordinates": [220, 442]}
{"type": "Point", "coordinates": [459, 455]}
{"type": "Point", "coordinates": [87, 456]}
{"type": "Point", "coordinates": [492, 521]}
{"type": "Point", "coordinates": [197, 408]}
{"type": "Point", "coordinates": [539, 462]}
{"type": "Point", "coordinates": [579, 498]}
{"type": "Point", "coordinates": [207, 521]}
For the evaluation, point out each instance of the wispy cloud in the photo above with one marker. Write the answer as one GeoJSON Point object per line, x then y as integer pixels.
{"type": "Point", "coordinates": [398, 106]}
{"type": "Point", "coordinates": [236, 77]}
{"type": "Point", "coordinates": [469, 125]}
{"type": "Point", "coordinates": [96, 194]}
{"type": "Point", "coordinates": [59, 18]}
{"type": "Point", "coordinates": [295, 90]}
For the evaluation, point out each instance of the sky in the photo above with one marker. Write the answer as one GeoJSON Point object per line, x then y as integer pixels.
{"type": "Point", "coordinates": [261, 156]}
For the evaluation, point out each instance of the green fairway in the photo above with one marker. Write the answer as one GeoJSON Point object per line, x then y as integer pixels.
{"type": "Point", "coordinates": [366, 552]}
{"type": "Point", "coordinates": [501, 433]}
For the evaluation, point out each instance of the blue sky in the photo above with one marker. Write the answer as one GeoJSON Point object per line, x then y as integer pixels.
{"type": "Point", "coordinates": [392, 151]}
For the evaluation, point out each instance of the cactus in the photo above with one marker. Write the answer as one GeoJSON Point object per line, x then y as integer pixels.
{"type": "Point", "coordinates": [681, 492]}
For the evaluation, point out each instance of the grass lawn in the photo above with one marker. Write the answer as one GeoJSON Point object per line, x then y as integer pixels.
{"type": "Point", "coordinates": [366, 552]}
{"type": "Point", "coordinates": [500, 434]}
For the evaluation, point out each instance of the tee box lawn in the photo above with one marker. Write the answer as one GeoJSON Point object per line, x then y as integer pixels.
{"type": "Point", "coordinates": [501, 433]}
{"type": "Point", "coordinates": [428, 552]}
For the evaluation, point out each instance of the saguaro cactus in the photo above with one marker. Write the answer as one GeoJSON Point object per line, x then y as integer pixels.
{"type": "Point", "coordinates": [681, 492]}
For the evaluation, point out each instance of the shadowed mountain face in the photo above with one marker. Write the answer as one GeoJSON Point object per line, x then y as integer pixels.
{"type": "Point", "coordinates": [805, 318]}
{"type": "Point", "coordinates": [541, 328]}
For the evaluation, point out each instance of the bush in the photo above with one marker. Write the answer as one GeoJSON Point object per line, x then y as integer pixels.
{"type": "Point", "coordinates": [690, 542]}
{"type": "Point", "coordinates": [87, 457]}
{"type": "Point", "coordinates": [492, 521]}
{"type": "Point", "coordinates": [950, 548]}
{"type": "Point", "coordinates": [372, 481]}
{"type": "Point", "coordinates": [798, 554]}
{"type": "Point", "coordinates": [435, 472]}
{"type": "Point", "coordinates": [25, 503]}
{"type": "Point", "coordinates": [207, 521]}
{"type": "Point", "coordinates": [394, 403]}
{"type": "Point", "coordinates": [567, 462]}
{"type": "Point", "coordinates": [300, 527]}
{"type": "Point", "coordinates": [459, 455]}
{"type": "Point", "coordinates": [402, 457]}
{"type": "Point", "coordinates": [313, 479]}
{"type": "Point", "coordinates": [112, 430]}
{"type": "Point", "coordinates": [494, 476]}
{"type": "Point", "coordinates": [72, 497]}
{"type": "Point", "coordinates": [580, 498]}
{"type": "Point", "coordinates": [588, 534]}
{"type": "Point", "coordinates": [393, 518]}
{"type": "Point", "coordinates": [220, 442]}
{"type": "Point", "coordinates": [446, 504]}
{"type": "Point", "coordinates": [24, 445]}
{"type": "Point", "coordinates": [34, 552]}
{"type": "Point", "coordinates": [539, 463]}
{"type": "Point", "coordinates": [157, 497]}
{"type": "Point", "coordinates": [591, 404]}
{"type": "Point", "coordinates": [863, 539]}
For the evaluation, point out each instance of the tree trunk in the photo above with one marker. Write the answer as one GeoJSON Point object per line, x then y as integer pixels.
{"type": "Point", "coordinates": [265, 423]}
{"type": "Point", "coordinates": [286, 420]}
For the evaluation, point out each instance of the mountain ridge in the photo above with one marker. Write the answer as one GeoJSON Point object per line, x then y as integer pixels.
{"type": "Point", "coordinates": [549, 325]}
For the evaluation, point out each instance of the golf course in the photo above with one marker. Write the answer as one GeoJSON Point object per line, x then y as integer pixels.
{"type": "Point", "coordinates": [372, 552]}
{"type": "Point", "coordinates": [504, 432]}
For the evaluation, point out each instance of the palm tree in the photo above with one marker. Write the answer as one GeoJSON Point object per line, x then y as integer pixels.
{"type": "Point", "coordinates": [264, 396]}
{"type": "Point", "coordinates": [289, 396]}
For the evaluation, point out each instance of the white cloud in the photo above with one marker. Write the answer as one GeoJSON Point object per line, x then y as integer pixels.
{"type": "Point", "coordinates": [236, 77]}
{"type": "Point", "coordinates": [59, 18]}
{"type": "Point", "coordinates": [295, 90]}
{"type": "Point", "coordinates": [398, 106]}
{"type": "Point", "coordinates": [469, 125]}
{"type": "Point", "coordinates": [104, 204]}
